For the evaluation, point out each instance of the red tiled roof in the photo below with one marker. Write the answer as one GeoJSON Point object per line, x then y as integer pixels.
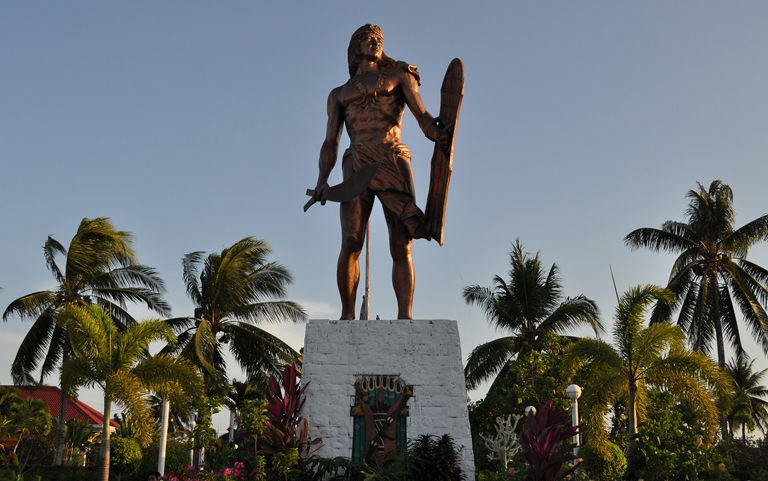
{"type": "Point", "coordinates": [51, 395]}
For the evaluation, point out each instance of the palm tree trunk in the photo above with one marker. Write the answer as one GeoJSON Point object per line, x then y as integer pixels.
{"type": "Point", "coordinates": [196, 453]}
{"type": "Point", "coordinates": [632, 415]}
{"type": "Point", "coordinates": [163, 435]}
{"type": "Point", "coordinates": [232, 425]}
{"type": "Point", "coordinates": [103, 471]}
{"type": "Point", "coordinates": [714, 291]}
{"type": "Point", "coordinates": [58, 455]}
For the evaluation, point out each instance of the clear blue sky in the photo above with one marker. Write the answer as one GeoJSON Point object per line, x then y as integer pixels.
{"type": "Point", "coordinates": [194, 124]}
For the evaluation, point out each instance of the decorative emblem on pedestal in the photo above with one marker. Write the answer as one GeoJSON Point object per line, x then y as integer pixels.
{"type": "Point", "coordinates": [379, 413]}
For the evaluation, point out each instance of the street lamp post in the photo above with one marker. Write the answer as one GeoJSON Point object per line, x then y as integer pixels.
{"type": "Point", "coordinates": [574, 392]}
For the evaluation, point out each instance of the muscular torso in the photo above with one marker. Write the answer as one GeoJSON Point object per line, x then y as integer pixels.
{"type": "Point", "coordinates": [373, 107]}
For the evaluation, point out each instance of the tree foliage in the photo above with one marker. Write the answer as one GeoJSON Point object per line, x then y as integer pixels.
{"type": "Point", "coordinates": [118, 364]}
{"type": "Point", "coordinates": [100, 267]}
{"type": "Point", "coordinates": [711, 276]}
{"type": "Point", "coordinates": [528, 380]}
{"type": "Point", "coordinates": [643, 357]}
{"type": "Point", "coordinates": [528, 307]}
{"type": "Point", "coordinates": [671, 444]}
{"type": "Point", "coordinates": [22, 418]}
{"type": "Point", "coordinates": [234, 292]}
{"type": "Point", "coordinates": [749, 404]}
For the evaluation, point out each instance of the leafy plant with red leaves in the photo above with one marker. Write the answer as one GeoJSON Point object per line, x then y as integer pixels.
{"type": "Point", "coordinates": [544, 443]}
{"type": "Point", "coordinates": [286, 429]}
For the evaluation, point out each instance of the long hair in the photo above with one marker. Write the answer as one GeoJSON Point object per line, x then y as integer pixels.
{"type": "Point", "coordinates": [354, 55]}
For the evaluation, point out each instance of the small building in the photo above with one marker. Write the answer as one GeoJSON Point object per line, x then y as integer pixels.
{"type": "Point", "coordinates": [51, 395]}
{"type": "Point", "coordinates": [78, 410]}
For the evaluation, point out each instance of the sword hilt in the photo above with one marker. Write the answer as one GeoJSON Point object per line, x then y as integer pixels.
{"type": "Point", "coordinates": [310, 202]}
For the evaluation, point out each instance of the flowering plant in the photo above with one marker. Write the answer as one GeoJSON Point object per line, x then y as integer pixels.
{"type": "Point", "coordinates": [239, 472]}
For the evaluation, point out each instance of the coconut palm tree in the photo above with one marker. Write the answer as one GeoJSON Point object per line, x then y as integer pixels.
{"type": "Point", "coordinates": [239, 393]}
{"type": "Point", "coordinates": [751, 397]}
{"type": "Point", "coordinates": [711, 276]}
{"type": "Point", "coordinates": [644, 357]}
{"type": "Point", "coordinates": [234, 292]}
{"type": "Point", "coordinates": [118, 363]}
{"type": "Point", "coordinates": [529, 306]}
{"type": "Point", "coordinates": [99, 267]}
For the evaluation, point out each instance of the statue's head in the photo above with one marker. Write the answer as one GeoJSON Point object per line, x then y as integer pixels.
{"type": "Point", "coordinates": [355, 52]}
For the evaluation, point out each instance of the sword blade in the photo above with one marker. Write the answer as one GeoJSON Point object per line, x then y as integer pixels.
{"type": "Point", "coordinates": [350, 188]}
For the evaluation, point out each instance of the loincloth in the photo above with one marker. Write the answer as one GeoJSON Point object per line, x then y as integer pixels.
{"type": "Point", "coordinates": [393, 183]}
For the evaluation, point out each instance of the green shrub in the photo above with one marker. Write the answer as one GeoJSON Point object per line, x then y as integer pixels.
{"type": "Point", "coordinates": [605, 463]}
{"type": "Point", "coordinates": [124, 456]}
{"type": "Point", "coordinates": [515, 475]}
{"type": "Point", "coordinates": [176, 459]}
{"type": "Point", "coordinates": [177, 455]}
{"type": "Point", "coordinates": [670, 445]}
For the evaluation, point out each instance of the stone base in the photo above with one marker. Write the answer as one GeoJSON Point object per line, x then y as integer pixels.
{"type": "Point", "coordinates": [423, 353]}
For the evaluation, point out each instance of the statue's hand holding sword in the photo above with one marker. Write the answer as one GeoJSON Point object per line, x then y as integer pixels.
{"type": "Point", "coordinates": [349, 189]}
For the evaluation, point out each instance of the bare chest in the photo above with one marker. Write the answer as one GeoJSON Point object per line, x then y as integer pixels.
{"type": "Point", "coordinates": [366, 89]}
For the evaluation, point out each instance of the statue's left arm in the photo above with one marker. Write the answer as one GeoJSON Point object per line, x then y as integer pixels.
{"type": "Point", "coordinates": [429, 125]}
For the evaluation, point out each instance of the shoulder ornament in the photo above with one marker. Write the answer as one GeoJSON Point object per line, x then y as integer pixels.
{"type": "Point", "coordinates": [411, 69]}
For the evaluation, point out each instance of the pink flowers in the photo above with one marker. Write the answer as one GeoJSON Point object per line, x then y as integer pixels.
{"type": "Point", "coordinates": [237, 473]}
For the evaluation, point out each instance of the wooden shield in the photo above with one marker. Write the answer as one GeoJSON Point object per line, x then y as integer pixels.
{"type": "Point", "coordinates": [451, 94]}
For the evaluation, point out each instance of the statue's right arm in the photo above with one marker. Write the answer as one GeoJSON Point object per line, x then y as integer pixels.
{"type": "Point", "coordinates": [330, 149]}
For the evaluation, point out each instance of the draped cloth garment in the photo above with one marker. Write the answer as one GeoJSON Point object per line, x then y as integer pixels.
{"type": "Point", "coordinates": [393, 183]}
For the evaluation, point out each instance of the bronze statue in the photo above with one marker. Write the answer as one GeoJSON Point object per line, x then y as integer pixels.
{"type": "Point", "coordinates": [371, 105]}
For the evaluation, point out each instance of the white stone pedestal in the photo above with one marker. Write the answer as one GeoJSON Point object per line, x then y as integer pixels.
{"type": "Point", "coordinates": [423, 353]}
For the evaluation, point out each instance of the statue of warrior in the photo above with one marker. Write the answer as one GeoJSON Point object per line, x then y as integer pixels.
{"type": "Point", "coordinates": [371, 105]}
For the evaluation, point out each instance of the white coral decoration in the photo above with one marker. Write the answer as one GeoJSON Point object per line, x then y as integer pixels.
{"type": "Point", "coordinates": [504, 444]}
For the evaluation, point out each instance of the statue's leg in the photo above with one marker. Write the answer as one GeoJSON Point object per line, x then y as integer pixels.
{"type": "Point", "coordinates": [354, 219]}
{"type": "Point", "coordinates": [402, 265]}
